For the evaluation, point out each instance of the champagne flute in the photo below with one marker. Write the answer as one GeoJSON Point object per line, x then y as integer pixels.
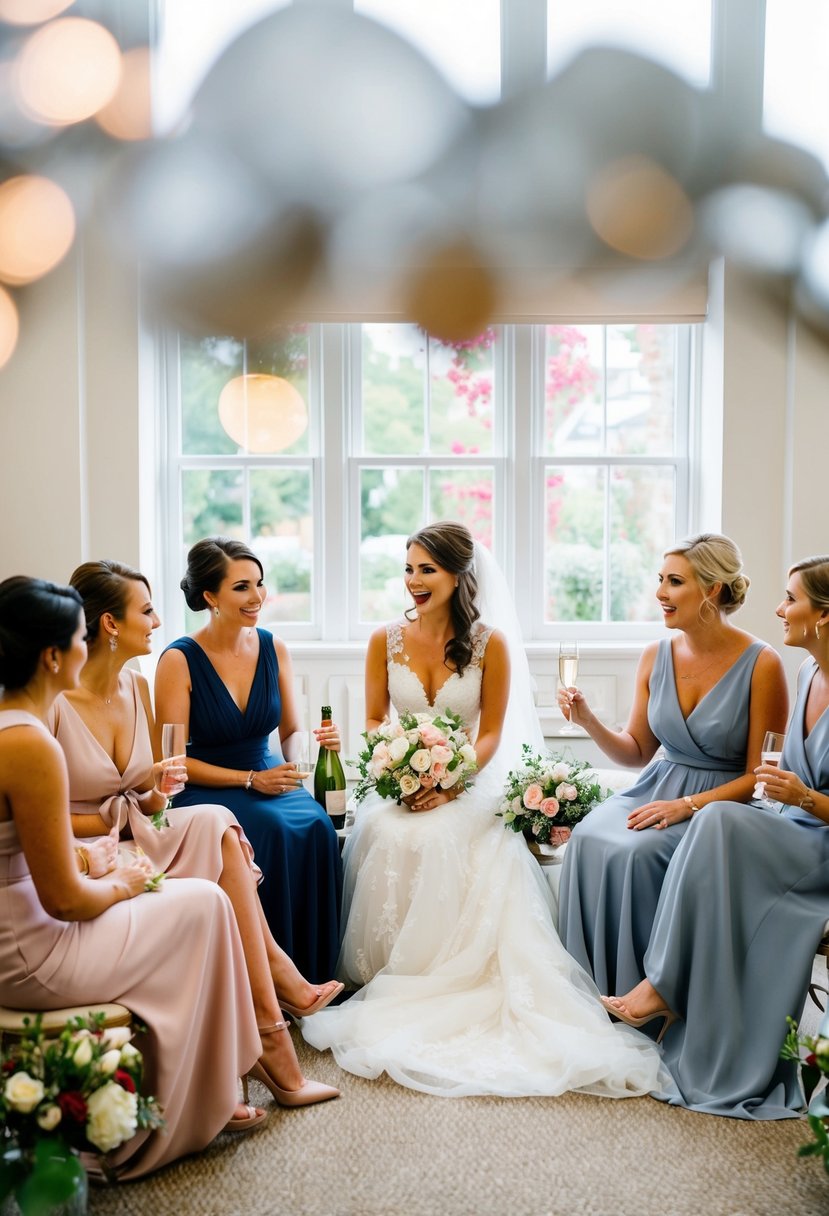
{"type": "Point", "coordinates": [173, 743]}
{"type": "Point", "coordinates": [302, 753]}
{"type": "Point", "coordinates": [568, 670]}
{"type": "Point", "coordinates": [770, 753]}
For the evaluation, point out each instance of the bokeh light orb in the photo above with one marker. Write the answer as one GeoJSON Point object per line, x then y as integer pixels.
{"type": "Point", "coordinates": [31, 12]}
{"type": "Point", "coordinates": [9, 326]}
{"type": "Point", "coordinates": [262, 413]}
{"type": "Point", "coordinates": [37, 227]}
{"type": "Point", "coordinates": [128, 114]}
{"type": "Point", "coordinates": [67, 70]}
{"type": "Point", "coordinates": [639, 209]}
{"type": "Point", "coordinates": [452, 293]}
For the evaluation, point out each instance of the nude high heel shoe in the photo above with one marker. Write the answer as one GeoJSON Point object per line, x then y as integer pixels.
{"type": "Point", "coordinates": [311, 1091]}
{"type": "Point", "coordinates": [324, 999]}
{"type": "Point", "coordinates": [667, 1014]}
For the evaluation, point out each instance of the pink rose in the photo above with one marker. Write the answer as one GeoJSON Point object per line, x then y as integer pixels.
{"type": "Point", "coordinates": [438, 772]}
{"type": "Point", "coordinates": [533, 796]}
{"type": "Point", "coordinates": [427, 780]}
{"type": "Point", "coordinates": [560, 835]}
{"type": "Point", "coordinates": [549, 807]}
{"type": "Point", "coordinates": [440, 755]}
{"type": "Point", "coordinates": [430, 735]}
{"type": "Point", "coordinates": [567, 792]}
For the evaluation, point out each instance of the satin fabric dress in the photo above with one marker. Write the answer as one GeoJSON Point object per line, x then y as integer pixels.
{"type": "Point", "coordinates": [612, 876]}
{"type": "Point", "coordinates": [296, 847]}
{"type": "Point", "coordinates": [741, 914]}
{"type": "Point", "coordinates": [191, 847]}
{"type": "Point", "coordinates": [174, 958]}
{"type": "Point", "coordinates": [449, 926]}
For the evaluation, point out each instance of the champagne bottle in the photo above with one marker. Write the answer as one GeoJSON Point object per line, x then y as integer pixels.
{"type": "Point", "coordinates": [329, 779]}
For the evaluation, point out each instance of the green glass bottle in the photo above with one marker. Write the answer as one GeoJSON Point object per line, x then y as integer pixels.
{"type": "Point", "coordinates": [329, 779]}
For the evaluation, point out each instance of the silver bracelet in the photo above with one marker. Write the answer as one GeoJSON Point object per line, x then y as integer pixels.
{"type": "Point", "coordinates": [249, 781]}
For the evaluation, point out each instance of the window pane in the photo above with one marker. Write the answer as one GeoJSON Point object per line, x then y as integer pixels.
{"type": "Point", "coordinates": [461, 407]}
{"type": "Point", "coordinates": [462, 38]}
{"type": "Point", "coordinates": [677, 35]}
{"type": "Point", "coordinates": [282, 532]}
{"type": "Point", "coordinates": [640, 390]}
{"type": "Point", "coordinates": [206, 367]}
{"type": "Point", "coordinates": [796, 79]}
{"type": "Point", "coordinates": [391, 510]}
{"type": "Point", "coordinates": [574, 543]}
{"type": "Point", "coordinates": [641, 528]}
{"type": "Point", "coordinates": [465, 495]}
{"type": "Point", "coordinates": [268, 414]}
{"type": "Point", "coordinates": [212, 503]}
{"type": "Point", "coordinates": [573, 387]}
{"type": "Point", "coordinates": [394, 369]}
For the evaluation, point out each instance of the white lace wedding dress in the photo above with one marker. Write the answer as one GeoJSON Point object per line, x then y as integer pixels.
{"type": "Point", "coordinates": [467, 988]}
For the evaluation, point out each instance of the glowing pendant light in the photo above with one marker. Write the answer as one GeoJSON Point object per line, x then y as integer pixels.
{"type": "Point", "coordinates": [262, 413]}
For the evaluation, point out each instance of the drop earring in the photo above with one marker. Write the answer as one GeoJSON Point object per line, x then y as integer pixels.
{"type": "Point", "coordinates": [817, 630]}
{"type": "Point", "coordinates": [113, 642]}
{"type": "Point", "coordinates": [215, 611]}
{"type": "Point", "coordinates": [55, 668]}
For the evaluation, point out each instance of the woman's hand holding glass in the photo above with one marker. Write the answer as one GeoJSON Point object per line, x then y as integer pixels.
{"type": "Point", "coordinates": [278, 780]}
{"type": "Point", "coordinates": [170, 776]}
{"type": "Point", "coordinates": [781, 786]}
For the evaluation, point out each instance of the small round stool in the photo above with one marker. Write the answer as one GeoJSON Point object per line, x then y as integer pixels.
{"type": "Point", "coordinates": [54, 1021]}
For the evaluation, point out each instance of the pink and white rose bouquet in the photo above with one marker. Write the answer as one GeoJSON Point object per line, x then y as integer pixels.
{"type": "Point", "coordinates": [419, 751]}
{"type": "Point", "coordinates": [546, 796]}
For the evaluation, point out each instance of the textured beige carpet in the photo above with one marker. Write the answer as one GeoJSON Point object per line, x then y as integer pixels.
{"type": "Point", "coordinates": [385, 1151]}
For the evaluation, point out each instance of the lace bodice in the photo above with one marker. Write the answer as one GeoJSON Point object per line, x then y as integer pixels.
{"type": "Point", "coordinates": [460, 693]}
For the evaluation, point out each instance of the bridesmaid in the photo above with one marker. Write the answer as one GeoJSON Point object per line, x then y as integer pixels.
{"type": "Point", "coordinates": [231, 684]}
{"type": "Point", "coordinates": [172, 957]}
{"type": "Point", "coordinates": [744, 903]}
{"type": "Point", "coordinates": [707, 695]}
{"type": "Point", "coordinates": [104, 726]}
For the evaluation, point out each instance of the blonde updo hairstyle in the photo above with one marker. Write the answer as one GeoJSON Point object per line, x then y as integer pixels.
{"type": "Point", "coordinates": [715, 558]}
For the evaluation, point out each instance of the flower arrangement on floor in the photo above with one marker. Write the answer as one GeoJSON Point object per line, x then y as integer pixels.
{"type": "Point", "coordinates": [814, 1066]}
{"type": "Point", "coordinates": [80, 1091]}
{"type": "Point", "coordinates": [419, 751]}
{"type": "Point", "coordinates": [546, 796]}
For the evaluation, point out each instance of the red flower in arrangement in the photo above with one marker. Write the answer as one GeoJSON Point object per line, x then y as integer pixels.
{"type": "Point", "coordinates": [124, 1079]}
{"type": "Point", "coordinates": [73, 1106]}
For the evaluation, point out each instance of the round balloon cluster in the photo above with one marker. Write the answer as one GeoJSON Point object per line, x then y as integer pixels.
{"type": "Point", "coordinates": [324, 160]}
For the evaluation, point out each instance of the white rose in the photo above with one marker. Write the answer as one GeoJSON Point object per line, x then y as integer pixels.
{"type": "Point", "coordinates": [49, 1118]}
{"type": "Point", "coordinates": [451, 778]}
{"type": "Point", "coordinates": [109, 1061]}
{"type": "Point", "coordinates": [517, 805]}
{"type": "Point", "coordinates": [23, 1092]}
{"type": "Point", "coordinates": [560, 771]}
{"type": "Point", "coordinates": [83, 1053]}
{"type": "Point", "coordinates": [467, 753]}
{"type": "Point", "coordinates": [421, 760]}
{"type": "Point", "coordinates": [129, 1053]}
{"type": "Point", "coordinates": [116, 1036]}
{"type": "Point", "coordinates": [112, 1116]}
{"type": "Point", "coordinates": [398, 748]}
{"type": "Point", "coordinates": [566, 793]}
{"type": "Point", "coordinates": [409, 784]}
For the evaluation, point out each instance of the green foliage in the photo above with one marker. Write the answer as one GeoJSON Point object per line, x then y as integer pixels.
{"type": "Point", "coordinates": [814, 1067]}
{"type": "Point", "coordinates": [562, 791]}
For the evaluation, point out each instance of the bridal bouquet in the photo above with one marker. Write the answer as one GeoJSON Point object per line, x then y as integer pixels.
{"type": "Point", "coordinates": [814, 1067]}
{"type": "Point", "coordinates": [417, 752]}
{"type": "Point", "coordinates": [60, 1096]}
{"type": "Point", "coordinates": [546, 794]}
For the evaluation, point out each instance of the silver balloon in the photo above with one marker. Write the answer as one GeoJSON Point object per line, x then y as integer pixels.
{"type": "Point", "coordinates": [325, 102]}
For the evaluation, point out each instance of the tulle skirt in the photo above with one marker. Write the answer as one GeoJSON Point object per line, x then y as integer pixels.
{"type": "Point", "coordinates": [467, 988]}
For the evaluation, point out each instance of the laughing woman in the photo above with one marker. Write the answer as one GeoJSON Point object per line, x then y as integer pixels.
{"type": "Point", "coordinates": [707, 694]}
{"type": "Point", "coordinates": [231, 684]}
{"type": "Point", "coordinates": [744, 903]}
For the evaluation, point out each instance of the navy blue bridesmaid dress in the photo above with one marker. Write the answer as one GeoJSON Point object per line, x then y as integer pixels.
{"type": "Point", "coordinates": [295, 844]}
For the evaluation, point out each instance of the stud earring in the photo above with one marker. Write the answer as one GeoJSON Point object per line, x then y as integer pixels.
{"type": "Point", "coordinates": [113, 642]}
{"type": "Point", "coordinates": [817, 630]}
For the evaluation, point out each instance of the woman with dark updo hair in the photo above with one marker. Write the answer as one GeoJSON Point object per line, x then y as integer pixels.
{"type": "Point", "coordinates": [232, 685]}
{"type": "Point", "coordinates": [70, 937]}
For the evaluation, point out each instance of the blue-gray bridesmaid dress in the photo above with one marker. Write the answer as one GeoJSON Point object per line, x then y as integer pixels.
{"type": "Point", "coordinates": [293, 840]}
{"type": "Point", "coordinates": [741, 913]}
{"type": "Point", "coordinates": [612, 876]}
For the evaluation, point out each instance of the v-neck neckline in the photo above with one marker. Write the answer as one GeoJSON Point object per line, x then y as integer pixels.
{"type": "Point", "coordinates": [687, 717]}
{"type": "Point", "coordinates": [98, 742]}
{"type": "Point", "coordinates": [242, 712]}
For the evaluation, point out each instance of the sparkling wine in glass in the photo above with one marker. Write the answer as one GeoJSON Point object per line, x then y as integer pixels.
{"type": "Point", "coordinates": [173, 743]}
{"type": "Point", "coordinates": [568, 670]}
{"type": "Point", "coordinates": [770, 753]}
{"type": "Point", "coordinates": [302, 752]}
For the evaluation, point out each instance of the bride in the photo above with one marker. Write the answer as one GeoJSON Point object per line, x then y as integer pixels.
{"type": "Point", "coordinates": [448, 920]}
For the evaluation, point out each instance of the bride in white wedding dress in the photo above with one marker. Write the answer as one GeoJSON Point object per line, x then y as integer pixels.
{"type": "Point", "coordinates": [448, 920]}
